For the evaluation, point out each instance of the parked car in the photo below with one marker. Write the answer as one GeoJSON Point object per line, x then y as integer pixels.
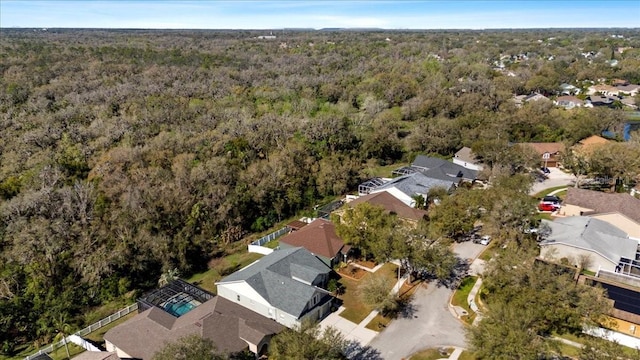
{"type": "Point", "coordinates": [545, 170]}
{"type": "Point", "coordinates": [485, 240]}
{"type": "Point", "coordinates": [543, 206]}
{"type": "Point", "coordinates": [551, 199]}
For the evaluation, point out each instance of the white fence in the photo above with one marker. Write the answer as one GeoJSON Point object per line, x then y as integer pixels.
{"type": "Point", "coordinates": [620, 338]}
{"type": "Point", "coordinates": [89, 329]}
{"type": "Point", "coordinates": [256, 246]}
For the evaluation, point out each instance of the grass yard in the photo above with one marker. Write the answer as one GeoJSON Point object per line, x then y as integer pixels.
{"type": "Point", "coordinates": [98, 335]}
{"type": "Point", "coordinates": [545, 192]}
{"type": "Point", "coordinates": [378, 323]}
{"type": "Point", "coordinates": [220, 268]}
{"type": "Point", "coordinates": [431, 354]}
{"type": "Point", "coordinates": [61, 354]}
{"type": "Point", "coordinates": [272, 244]}
{"type": "Point", "coordinates": [466, 355]}
{"type": "Point", "coordinates": [375, 170]}
{"type": "Point", "coordinates": [355, 309]}
{"type": "Point", "coordinates": [460, 297]}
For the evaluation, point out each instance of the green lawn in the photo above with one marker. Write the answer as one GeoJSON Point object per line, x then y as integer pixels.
{"type": "Point", "coordinates": [272, 244]}
{"type": "Point", "coordinates": [459, 297]}
{"type": "Point", "coordinates": [430, 354]}
{"type": "Point", "coordinates": [61, 353]}
{"type": "Point", "coordinates": [355, 309]}
{"type": "Point", "coordinates": [221, 268]}
{"type": "Point", "coordinates": [545, 192]}
{"type": "Point", "coordinates": [98, 335]}
{"type": "Point", "coordinates": [375, 170]}
{"type": "Point", "coordinates": [466, 355]}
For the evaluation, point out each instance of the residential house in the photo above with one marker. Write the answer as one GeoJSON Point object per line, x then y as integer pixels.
{"type": "Point", "coordinates": [618, 209]}
{"type": "Point", "coordinates": [568, 102]}
{"type": "Point", "coordinates": [466, 158]}
{"type": "Point", "coordinates": [606, 90]}
{"type": "Point", "coordinates": [443, 170]}
{"type": "Point", "coordinates": [597, 100]}
{"type": "Point", "coordinates": [406, 188]}
{"type": "Point", "coordinates": [97, 355]}
{"type": "Point", "coordinates": [535, 97]}
{"type": "Point", "coordinates": [181, 309]}
{"type": "Point", "coordinates": [588, 145]}
{"type": "Point", "coordinates": [391, 204]}
{"type": "Point", "coordinates": [568, 89]}
{"type": "Point", "coordinates": [629, 89]}
{"type": "Point", "coordinates": [320, 239]}
{"type": "Point", "coordinates": [591, 243]}
{"type": "Point", "coordinates": [619, 82]}
{"type": "Point", "coordinates": [287, 286]}
{"type": "Point", "coordinates": [550, 153]}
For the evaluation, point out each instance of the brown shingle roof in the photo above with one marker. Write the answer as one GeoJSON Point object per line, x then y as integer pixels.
{"type": "Point", "coordinates": [593, 140]}
{"type": "Point", "coordinates": [296, 224]}
{"type": "Point", "coordinates": [97, 355]}
{"type": "Point", "coordinates": [391, 204]}
{"type": "Point", "coordinates": [319, 238]}
{"type": "Point", "coordinates": [218, 319]}
{"type": "Point", "coordinates": [600, 202]}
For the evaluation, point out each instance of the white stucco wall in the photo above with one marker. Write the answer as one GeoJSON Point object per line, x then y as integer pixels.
{"type": "Point", "coordinates": [556, 252]}
{"type": "Point", "coordinates": [466, 164]}
{"type": "Point", "coordinates": [250, 299]}
{"type": "Point", "coordinates": [121, 354]}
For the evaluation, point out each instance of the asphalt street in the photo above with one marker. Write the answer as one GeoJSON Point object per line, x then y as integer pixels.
{"type": "Point", "coordinates": [428, 323]}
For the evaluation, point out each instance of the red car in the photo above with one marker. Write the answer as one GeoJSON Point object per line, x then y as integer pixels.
{"type": "Point", "coordinates": [547, 207]}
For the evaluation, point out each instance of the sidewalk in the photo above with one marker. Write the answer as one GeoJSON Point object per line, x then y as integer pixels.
{"type": "Point", "coordinates": [471, 300]}
{"type": "Point", "coordinates": [353, 331]}
{"type": "Point", "coordinates": [455, 354]}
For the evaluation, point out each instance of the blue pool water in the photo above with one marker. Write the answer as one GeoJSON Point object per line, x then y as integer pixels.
{"type": "Point", "coordinates": [179, 308]}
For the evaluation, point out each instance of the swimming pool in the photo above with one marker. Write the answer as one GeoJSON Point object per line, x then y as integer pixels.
{"type": "Point", "coordinates": [179, 308]}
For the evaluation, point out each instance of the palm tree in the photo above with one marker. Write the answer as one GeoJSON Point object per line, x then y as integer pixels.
{"type": "Point", "coordinates": [169, 276]}
{"type": "Point", "coordinates": [63, 329]}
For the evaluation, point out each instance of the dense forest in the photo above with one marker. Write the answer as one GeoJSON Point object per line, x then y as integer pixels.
{"type": "Point", "coordinates": [124, 154]}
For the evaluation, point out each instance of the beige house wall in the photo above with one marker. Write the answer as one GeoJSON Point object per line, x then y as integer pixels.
{"type": "Point", "coordinates": [621, 222]}
{"type": "Point", "coordinates": [556, 252]}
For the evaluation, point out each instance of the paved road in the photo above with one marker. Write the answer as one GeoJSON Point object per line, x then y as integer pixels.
{"type": "Point", "coordinates": [468, 249]}
{"type": "Point", "coordinates": [428, 325]}
{"type": "Point", "coordinates": [556, 178]}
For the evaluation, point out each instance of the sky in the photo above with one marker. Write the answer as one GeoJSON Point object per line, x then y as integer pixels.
{"type": "Point", "coordinates": [266, 14]}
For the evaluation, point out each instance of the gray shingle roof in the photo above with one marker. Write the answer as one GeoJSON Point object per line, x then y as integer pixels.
{"type": "Point", "coordinates": [416, 183]}
{"type": "Point", "coordinates": [442, 169]}
{"type": "Point", "coordinates": [591, 234]}
{"type": "Point", "coordinates": [282, 278]}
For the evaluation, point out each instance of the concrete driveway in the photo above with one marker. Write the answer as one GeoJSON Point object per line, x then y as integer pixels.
{"type": "Point", "coordinates": [557, 177]}
{"type": "Point", "coordinates": [428, 323]}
